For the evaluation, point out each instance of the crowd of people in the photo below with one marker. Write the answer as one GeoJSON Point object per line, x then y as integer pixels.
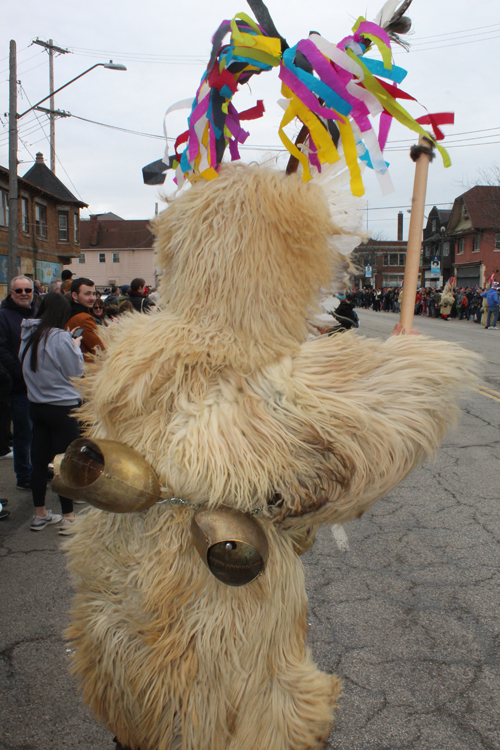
{"type": "Point", "coordinates": [473, 304]}
{"type": "Point", "coordinates": [46, 335]}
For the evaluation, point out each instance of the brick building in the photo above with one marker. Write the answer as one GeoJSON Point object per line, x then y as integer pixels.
{"type": "Point", "coordinates": [384, 259]}
{"type": "Point", "coordinates": [115, 250]}
{"type": "Point", "coordinates": [474, 228]}
{"type": "Point", "coordinates": [48, 224]}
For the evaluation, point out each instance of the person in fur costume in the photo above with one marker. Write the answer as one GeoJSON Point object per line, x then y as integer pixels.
{"type": "Point", "coordinates": [189, 622]}
{"type": "Point", "coordinates": [447, 299]}
{"type": "Point", "coordinates": [227, 400]}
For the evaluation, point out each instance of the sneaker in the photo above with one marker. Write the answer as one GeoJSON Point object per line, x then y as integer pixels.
{"type": "Point", "coordinates": [67, 526]}
{"type": "Point", "coordinates": [4, 514]}
{"type": "Point", "coordinates": [9, 454]}
{"type": "Point", "coordinates": [40, 522]}
{"type": "Point", "coordinates": [24, 484]}
{"type": "Point", "coordinates": [3, 502]}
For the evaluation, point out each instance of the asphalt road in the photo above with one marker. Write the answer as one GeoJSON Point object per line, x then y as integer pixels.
{"type": "Point", "coordinates": [403, 603]}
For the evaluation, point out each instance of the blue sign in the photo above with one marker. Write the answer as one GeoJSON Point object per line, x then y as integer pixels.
{"type": "Point", "coordinates": [435, 266]}
{"type": "Point", "coordinates": [368, 271]}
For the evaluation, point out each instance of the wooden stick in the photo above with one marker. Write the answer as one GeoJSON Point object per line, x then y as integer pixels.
{"type": "Point", "coordinates": [422, 155]}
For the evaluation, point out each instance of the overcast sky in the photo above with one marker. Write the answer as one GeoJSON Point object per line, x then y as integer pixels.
{"type": "Point", "coordinates": [452, 66]}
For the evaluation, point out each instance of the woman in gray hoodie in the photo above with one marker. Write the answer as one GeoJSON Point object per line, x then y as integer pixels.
{"type": "Point", "coordinates": [50, 357]}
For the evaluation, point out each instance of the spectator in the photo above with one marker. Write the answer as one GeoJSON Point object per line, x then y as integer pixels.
{"type": "Point", "coordinates": [99, 312]}
{"type": "Point", "coordinates": [15, 308]}
{"type": "Point", "coordinates": [123, 293]}
{"type": "Point", "coordinates": [491, 297]}
{"type": "Point", "coordinates": [126, 306]}
{"type": "Point", "coordinates": [137, 295]}
{"type": "Point", "coordinates": [112, 298]}
{"type": "Point", "coordinates": [111, 311]}
{"type": "Point", "coordinates": [50, 357]}
{"type": "Point", "coordinates": [5, 388]}
{"type": "Point", "coordinates": [83, 299]}
{"type": "Point", "coordinates": [66, 278]}
{"type": "Point", "coordinates": [55, 285]}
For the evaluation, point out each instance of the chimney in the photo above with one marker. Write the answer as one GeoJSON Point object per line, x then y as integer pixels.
{"type": "Point", "coordinates": [94, 230]}
{"type": "Point", "coordinates": [400, 226]}
{"type": "Point", "coordinates": [39, 158]}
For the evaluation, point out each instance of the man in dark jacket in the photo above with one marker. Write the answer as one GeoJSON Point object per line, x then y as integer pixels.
{"type": "Point", "coordinates": [137, 295]}
{"type": "Point", "coordinates": [14, 309]}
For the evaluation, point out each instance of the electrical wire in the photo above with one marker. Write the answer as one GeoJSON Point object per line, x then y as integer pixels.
{"type": "Point", "coordinates": [48, 140]}
{"type": "Point", "coordinates": [444, 46]}
{"type": "Point", "coordinates": [21, 62]}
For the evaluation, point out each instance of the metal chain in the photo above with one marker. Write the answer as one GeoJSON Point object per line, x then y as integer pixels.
{"type": "Point", "coordinates": [176, 502]}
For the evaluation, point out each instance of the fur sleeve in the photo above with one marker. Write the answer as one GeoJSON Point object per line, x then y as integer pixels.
{"type": "Point", "coordinates": [381, 408]}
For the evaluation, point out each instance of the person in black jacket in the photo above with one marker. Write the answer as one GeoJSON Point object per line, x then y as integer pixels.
{"type": "Point", "coordinates": [137, 295]}
{"type": "Point", "coordinates": [15, 308]}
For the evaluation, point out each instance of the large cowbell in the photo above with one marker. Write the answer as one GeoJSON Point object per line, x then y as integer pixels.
{"type": "Point", "coordinates": [231, 543]}
{"type": "Point", "coordinates": [109, 475]}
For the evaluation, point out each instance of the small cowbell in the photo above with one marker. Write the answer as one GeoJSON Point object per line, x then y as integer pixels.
{"type": "Point", "coordinates": [231, 543]}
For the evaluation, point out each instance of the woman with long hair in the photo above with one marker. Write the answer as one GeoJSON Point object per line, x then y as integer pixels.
{"type": "Point", "coordinates": [50, 357]}
{"type": "Point", "coordinates": [99, 312]}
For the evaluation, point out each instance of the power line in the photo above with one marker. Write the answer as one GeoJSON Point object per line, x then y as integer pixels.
{"type": "Point", "coordinates": [444, 46]}
{"type": "Point", "coordinates": [48, 139]}
{"type": "Point", "coordinates": [460, 35]}
{"type": "Point", "coordinates": [460, 31]}
{"type": "Point", "coordinates": [465, 132]}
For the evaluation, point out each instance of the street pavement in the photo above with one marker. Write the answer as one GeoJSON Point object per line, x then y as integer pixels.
{"type": "Point", "coordinates": [403, 602]}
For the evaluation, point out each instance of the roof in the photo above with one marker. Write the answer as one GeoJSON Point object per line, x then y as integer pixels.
{"type": "Point", "coordinates": [30, 185]}
{"type": "Point", "coordinates": [483, 207]}
{"type": "Point", "coordinates": [118, 234]}
{"type": "Point", "coordinates": [108, 216]}
{"type": "Point", "coordinates": [41, 177]}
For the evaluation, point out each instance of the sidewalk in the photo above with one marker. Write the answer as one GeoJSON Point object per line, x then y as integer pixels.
{"type": "Point", "coordinates": [40, 707]}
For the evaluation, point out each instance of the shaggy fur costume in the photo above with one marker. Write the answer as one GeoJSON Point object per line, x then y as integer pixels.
{"type": "Point", "coordinates": [226, 398]}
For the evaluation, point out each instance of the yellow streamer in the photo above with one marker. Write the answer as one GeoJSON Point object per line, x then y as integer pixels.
{"type": "Point", "coordinates": [383, 49]}
{"type": "Point", "coordinates": [351, 156]}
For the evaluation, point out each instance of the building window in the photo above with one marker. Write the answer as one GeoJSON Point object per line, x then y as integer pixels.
{"type": "Point", "coordinates": [4, 208]}
{"type": "Point", "coordinates": [25, 215]}
{"type": "Point", "coordinates": [460, 247]}
{"type": "Point", "coordinates": [116, 257]}
{"type": "Point", "coordinates": [102, 257]}
{"type": "Point", "coordinates": [446, 248]}
{"type": "Point", "coordinates": [402, 259]}
{"type": "Point", "coordinates": [41, 221]}
{"type": "Point", "coordinates": [63, 227]}
{"type": "Point", "coordinates": [76, 227]}
{"type": "Point", "coordinates": [497, 242]}
{"type": "Point", "coordinates": [476, 242]}
{"type": "Point", "coordinates": [392, 279]}
{"type": "Point", "coordinates": [393, 259]}
{"type": "Point", "coordinates": [434, 225]}
{"type": "Point", "coordinates": [81, 258]}
{"type": "Point", "coordinates": [427, 251]}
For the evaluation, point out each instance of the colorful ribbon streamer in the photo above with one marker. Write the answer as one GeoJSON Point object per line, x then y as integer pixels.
{"type": "Point", "coordinates": [335, 91]}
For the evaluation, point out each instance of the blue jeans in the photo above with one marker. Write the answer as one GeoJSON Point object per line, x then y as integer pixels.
{"type": "Point", "coordinates": [492, 316]}
{"type": "Point", "coordinates": [23, 434]}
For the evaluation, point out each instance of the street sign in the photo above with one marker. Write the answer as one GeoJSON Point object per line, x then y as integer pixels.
{"type": "Point", "coordinates": [435, 266]}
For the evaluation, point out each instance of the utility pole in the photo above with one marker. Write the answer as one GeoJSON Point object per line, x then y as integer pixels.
{"type": "Point", "coordinates": [52, 113]}
{"type": "Point", "coordinates": [12, 265]}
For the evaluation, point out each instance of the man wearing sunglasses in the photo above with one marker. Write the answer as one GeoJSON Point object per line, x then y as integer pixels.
{"type": "Point", "coordinates": [14, 309]}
